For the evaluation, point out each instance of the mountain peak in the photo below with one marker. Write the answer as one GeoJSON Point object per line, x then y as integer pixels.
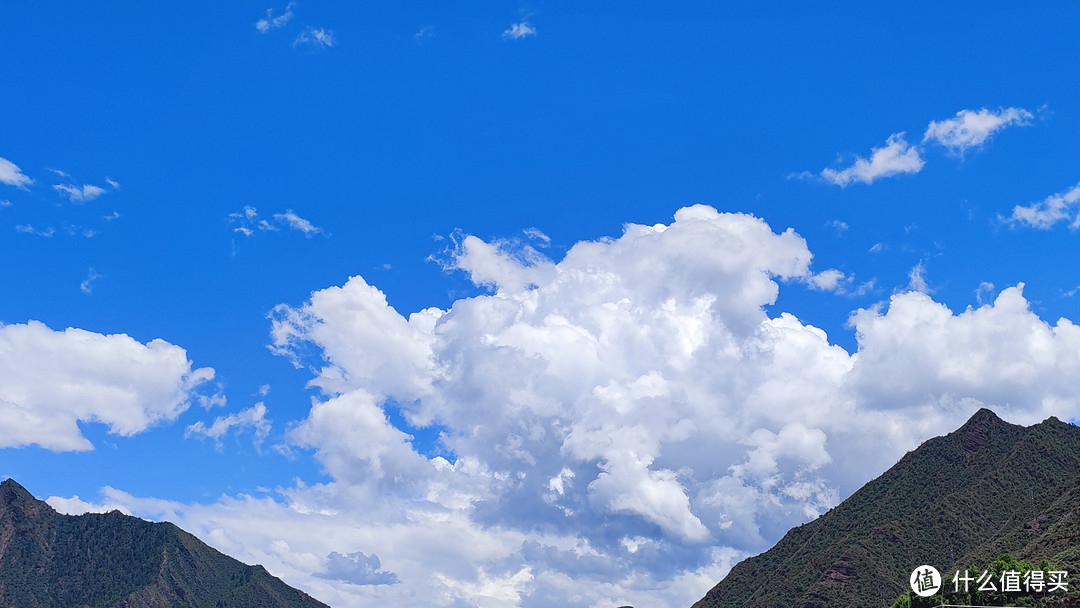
{"type": "Point", "coordinates": [988, 488]}
{"type": "Point", "coordinates": [11, 493]}
{"type": "Point", "coordinates": [976, 432]}
{"type": "Point", "coordinates": [112, 559]}
{"type": "Point", "coordinates": [984, 415]}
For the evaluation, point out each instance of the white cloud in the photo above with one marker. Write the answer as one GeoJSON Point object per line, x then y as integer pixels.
{"type": "Point", "coordinates": [270, 22]}
{"type": "Point", "coordinates": [296, 222]}
{"type": "Point", "coordinates": [423, 34]}
{"type": "Point", "coordinates": [616, 427]}
{"type": "Point", "coordinates": [254, 418]}
{"type": "Point", "coordinates": [828, 280]}
{"type": "Point", "coordinates": [248, 222]}
{"type": "Point", "coordinates": [115, 185]}
{"type": "Point", "coordinates": [319, 38]}
{"type": "Point", "coordinates": [87, 286]}
{"type": "Point", "coordinates": [895, 158]}
{"type": "Point", "coordinates": [971, 129]}
{"type": "Point", "coordinates": [79, 194]}
{"type": "Point", "coordinates": [11, 175]}
{"type": "Point", "coordinates": [51, 380]}
{"type": "Point", "coordinates": [917, 278]}
{"type": "Point", "coordinates": [535, 234]}
{"type": "Point", "coordinates": [839, 225]}
{"type": "Point", "coordinates": [5, 203]}
{"type": "Point", "coordinates": [517, 31]}
{"type": "Point", "coordinates": [1050, 211]}
{"type": "Point", "coordinates": [29, 229]}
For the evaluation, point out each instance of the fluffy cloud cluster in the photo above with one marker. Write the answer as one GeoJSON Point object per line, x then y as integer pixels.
{"type": "Point", "coordinates": [1054, 209]}
{"type": "Point", "coordinates": [517, 31]}
{"type": "Point", "coordinates": [51, 380]}
{"type": "Point", "coordinates": [897, 156]}
{"type": "Point", "coordinates": [616, 427]}
{"type": "Point", "coordinates": [969, 129]}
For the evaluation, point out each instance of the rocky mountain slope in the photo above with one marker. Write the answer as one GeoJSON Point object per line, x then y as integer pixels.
{"type": "Point", "coordinates": [117, 561]}
{"type": "Point", "coordinates": [986, 489]}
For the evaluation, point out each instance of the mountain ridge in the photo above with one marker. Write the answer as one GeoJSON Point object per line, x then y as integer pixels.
{"type": "Point", "coordinates": [112, 560]}
{"type": "Point", "coordinates": [985, 489]}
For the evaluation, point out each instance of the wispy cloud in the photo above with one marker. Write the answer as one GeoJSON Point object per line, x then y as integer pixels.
{"type": "Point", "coordinates": [984, 287]}
{"type": "Point", "coordinates": [248, 222]}
{"type": "Point", "coordinates": [11, 175]}
{"type": "Point", "coordinates": [79, 194]}
{"type": "Point", "coordinates": [254, 418]}
{"type": "Point", "coordinates": [971, 129]}
{"type": "Point", "coordinates": [28, 229]}
{"type": "Point", "coordinates": [5, 203]}
{"type": "Point", "coordinates": [87, 286]}
{"type": "Point", "coordinates": [115, 185]}
{"type": "Point", "coordinates": [270, 22]}
{"type": "Point", "coordinates": [296, 222]}
{"type": "Point", "coordinates": [517, 31]}
{"type": "Point", "coordinates": [894, 158]}
{"type": "Point", "coordinates": [917, 279]}
{"type": "Point", "coordinates": [316, 37]}
{"type": "Point", "coordinates": [1049, 211]}
{"type": "Point", "coordinates": [535, 234]}
{"type": "Point", "coordinates": [423, 34]}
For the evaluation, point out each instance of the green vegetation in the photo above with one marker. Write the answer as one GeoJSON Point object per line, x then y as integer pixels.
{"type": "Point", "coordinates": [113, 560]}
{"type": "Point", "coordinates": [986, 490]}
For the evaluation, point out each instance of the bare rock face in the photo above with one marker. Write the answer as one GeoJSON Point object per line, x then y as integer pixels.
{"type": "Point", "coordinates": [112, 560]}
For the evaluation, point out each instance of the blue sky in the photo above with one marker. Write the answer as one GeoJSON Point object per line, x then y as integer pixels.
{"type": "Point", "coordinates": [601, 399]}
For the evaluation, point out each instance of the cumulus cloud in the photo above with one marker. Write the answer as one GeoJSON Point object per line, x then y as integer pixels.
{"type": "Point", "coordinates": [270, 22]}
{"type": "Point", "coordinates": [253, 418]}
{"type": "Point", "coordinates": [11, 175]}
{"type": "Point", "coordinates": [894, 158]}
{"type": "Point", "coordinates": [315, 37]}
{"type": "Point", "coordinates": [52, 380]}
{"type": "Point", "coordinates": [1052, 210]}
{"type": "Point", "coordinates": [971, 129]}
{"type": "Point", "coordinates": [79, 194]}
{"type": "Point", "coordinates": [616, 427]}
{"type": "Point", "coordinates": [517, 31]}
{"type": "Point", "coordinates": [358, 569]}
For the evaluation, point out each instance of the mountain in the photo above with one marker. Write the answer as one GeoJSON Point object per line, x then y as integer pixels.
{"type": "Point", "coordinates": [118, 561]}
{"type": "Point", "coordinates": [986, 489]}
